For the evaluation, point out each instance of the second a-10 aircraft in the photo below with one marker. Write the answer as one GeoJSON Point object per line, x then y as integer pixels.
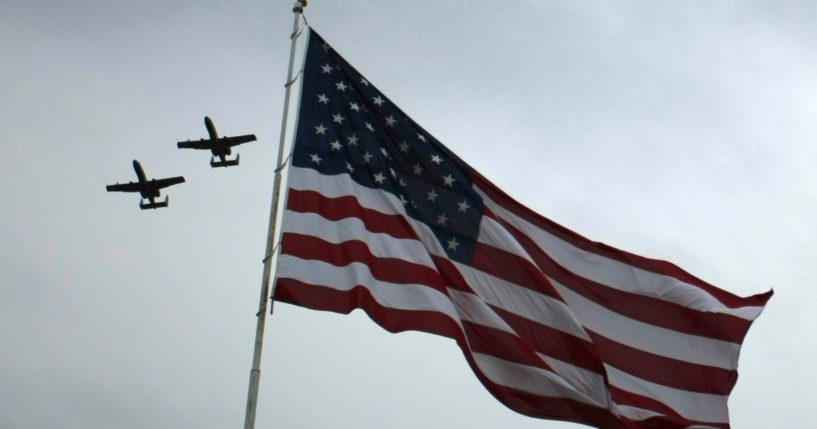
{"type": "Point", "coordinates": [220, 147]}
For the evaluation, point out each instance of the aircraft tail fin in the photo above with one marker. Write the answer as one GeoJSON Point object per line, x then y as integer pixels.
{"type": "Point", "coordinates": [225, 163]}
{"type": "Point", "coordinates": [154, 205]}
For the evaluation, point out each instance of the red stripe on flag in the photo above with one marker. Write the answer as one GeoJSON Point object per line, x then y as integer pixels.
{"type": "Point", "coordinates": [501, 344]}
{"type": "Point", "coordinates": [318, 297]}
{"type": "Point", "coordinates": [346, 207]}
{"type": "Point", "coordinates": [558, 408]}
{"type": "Point", "coordinates": [449, 272]}
{"type": "Point", "coordinates": [639, 307]}
{"type": "Point", "coordinates": [665, 371]}
{"type": "Point", "coordinates": [327, 299]}
{"type": "Point", "coordinates": [623, 397]}
{"type": "Point", "coordinates": [511, 268]}
{"type": "Point", "coordinates": [648, 264]}
{"type": "Point", "coordinates": [553, 343]}
{"type": "Point", "coordinates": [391, 270]}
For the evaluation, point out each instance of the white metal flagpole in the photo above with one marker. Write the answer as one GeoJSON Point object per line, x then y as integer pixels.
{"type": "Point", "coordinates": [255, 372]}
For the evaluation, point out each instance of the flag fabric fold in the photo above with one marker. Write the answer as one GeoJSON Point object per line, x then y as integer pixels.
{"type": "Point", "coordinates": [380, 216]}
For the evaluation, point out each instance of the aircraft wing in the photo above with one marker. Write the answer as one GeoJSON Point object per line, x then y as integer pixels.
{"type": "Point", "coordinates": [237, 140]}
{"type": "Point", "coordinates": [196, 144]}
{"type": "Point", "coordinates": [164, 183]}
{"type": "Point", "coordinates": [124, 187]}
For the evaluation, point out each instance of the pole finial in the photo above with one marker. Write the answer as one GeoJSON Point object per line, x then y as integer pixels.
{"type": "Point", "coordinates": [299, 6]}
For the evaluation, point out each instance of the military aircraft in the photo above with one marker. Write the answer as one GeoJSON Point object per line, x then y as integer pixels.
{"type": "Point", "coordinates": [219, 146]}
{"type": "Point", "coordinates": [148, 188]}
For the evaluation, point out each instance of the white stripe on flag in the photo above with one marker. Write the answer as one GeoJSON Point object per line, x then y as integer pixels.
{"type": "Point", "coordinates": [529, 379]}
{"type": "Point", "coordinates": [522, 301]}
{"type": "Point", "coordinates": [701, 407]}
{"type": "Point", "coordinates": [472, 309]}
{"type": "Point", "coordinates": [650, 338]}
{"type": "Point", "coordinates": [341, 185]}
{"type": "Point", "coordinates": [398, 296]}
{"type": "Point", "coordinates": [618, 275]}
{"type": "Point", "coordinates": [588, 382]}
{"type": "Point", "coordinates": [380, 244]}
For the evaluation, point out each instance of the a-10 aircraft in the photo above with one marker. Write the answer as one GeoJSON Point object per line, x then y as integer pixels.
{"type": "Point", "coordinates": [219, 146]}
{"type": "Point", "coordinates": [149, 189]}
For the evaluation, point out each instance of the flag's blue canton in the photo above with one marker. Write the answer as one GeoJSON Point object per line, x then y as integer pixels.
{"type": "Point", "coordinates": [346, 126]}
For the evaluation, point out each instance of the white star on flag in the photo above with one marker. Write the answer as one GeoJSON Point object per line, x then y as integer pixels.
{"type": "Point", "coordinates": [442, 219]}
{"type": "Point", "coordinates": [452, 244]}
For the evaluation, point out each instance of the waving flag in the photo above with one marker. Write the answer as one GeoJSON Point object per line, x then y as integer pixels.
{"type": "Point", "coordinates": [381, 216]}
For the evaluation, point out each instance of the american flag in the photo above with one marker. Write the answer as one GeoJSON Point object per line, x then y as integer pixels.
{"type": "Point", "coordinates": [380, 216]}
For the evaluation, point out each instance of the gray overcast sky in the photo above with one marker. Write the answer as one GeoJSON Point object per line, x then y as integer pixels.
{"type": "Point", "coordinates": [684, 131]}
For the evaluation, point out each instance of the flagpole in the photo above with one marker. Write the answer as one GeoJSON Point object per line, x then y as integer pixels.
{"type": "Point", "coordinates": [255, 372]}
